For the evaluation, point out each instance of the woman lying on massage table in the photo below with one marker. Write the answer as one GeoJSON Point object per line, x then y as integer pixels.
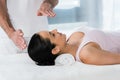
{"type": "Point", "coordinates": [90, 47]}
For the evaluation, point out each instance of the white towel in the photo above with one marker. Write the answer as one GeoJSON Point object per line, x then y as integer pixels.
{"type": "Point", "coordinates": [64, 59]}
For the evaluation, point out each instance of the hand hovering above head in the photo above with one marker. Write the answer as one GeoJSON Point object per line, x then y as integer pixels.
{"type": "Point", "coordinates": [46, 10]}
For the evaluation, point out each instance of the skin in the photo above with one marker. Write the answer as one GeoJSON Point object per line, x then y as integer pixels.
{"type": "Point", "coordinates": [91, 53]}
{"type": "Point", "coordinates": [46, 9]}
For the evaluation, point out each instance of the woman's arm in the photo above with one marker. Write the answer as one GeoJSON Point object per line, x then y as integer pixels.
{"type": "Point", "coordinates": [95, 55]}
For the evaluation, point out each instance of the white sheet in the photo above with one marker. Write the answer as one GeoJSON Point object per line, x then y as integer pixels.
{"type": "Point", "coordinates": [21, 67]}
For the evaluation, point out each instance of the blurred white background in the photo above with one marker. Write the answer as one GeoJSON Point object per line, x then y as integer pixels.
{"type": "Point", "coordinates": [102, 14]}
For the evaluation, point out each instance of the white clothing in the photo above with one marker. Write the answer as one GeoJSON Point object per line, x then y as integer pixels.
{"type": "Point", "coordinates": [107, 41]}
{"type": "Point", "coordinates": [23, 14]}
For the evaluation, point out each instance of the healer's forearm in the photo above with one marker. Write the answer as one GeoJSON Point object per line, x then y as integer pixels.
{"type": "Point", "coordinates": [52, 2]}
{"type": "Point", "coordinates": [5, 22]}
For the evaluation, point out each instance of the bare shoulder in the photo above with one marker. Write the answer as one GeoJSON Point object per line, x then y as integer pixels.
{"type": "Point", "coordinates": [88, 50]}
{"type": "Point", "coordinates": [90, 46]}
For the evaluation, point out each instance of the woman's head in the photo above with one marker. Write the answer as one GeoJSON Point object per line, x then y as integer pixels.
{"type": "Point", "coordinates": [43, 47]}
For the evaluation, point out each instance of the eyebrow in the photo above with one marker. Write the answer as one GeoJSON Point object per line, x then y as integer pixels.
{"type": "Point", "coordinates": [50, 33]}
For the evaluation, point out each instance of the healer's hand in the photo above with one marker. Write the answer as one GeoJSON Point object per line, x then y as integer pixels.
{"type": "Point", "coordinates": [46, 10]}
{"type": "Point", "coordinates": [17, 38]}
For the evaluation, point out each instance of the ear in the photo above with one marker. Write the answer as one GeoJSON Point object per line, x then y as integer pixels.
{"type": "Point", "coordinates": [55, 50]}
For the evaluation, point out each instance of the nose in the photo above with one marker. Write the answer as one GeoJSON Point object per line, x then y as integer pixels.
{"type": "Point", "coordinates": [54, 31]}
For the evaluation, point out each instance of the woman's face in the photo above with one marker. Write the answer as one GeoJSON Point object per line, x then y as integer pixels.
{"type": "Point", "coordinates": [55, 37]}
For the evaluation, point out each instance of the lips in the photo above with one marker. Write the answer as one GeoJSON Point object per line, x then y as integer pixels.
{"type": "Point", "coordinates": [60, 33]}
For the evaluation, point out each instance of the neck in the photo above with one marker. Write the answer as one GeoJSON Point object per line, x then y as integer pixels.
{"type": "Point", "coordinates": [70, 48]}
{"type": "Point", "coordinates": [73, 43]}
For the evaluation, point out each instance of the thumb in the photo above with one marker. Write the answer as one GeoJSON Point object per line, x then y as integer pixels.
{"type": "Point", "coordinates": [39, 13]}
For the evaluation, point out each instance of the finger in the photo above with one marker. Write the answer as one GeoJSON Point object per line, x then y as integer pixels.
{"type": "Point", "coordinates": [21, 39]}
{"type": "Point", "coordinates": [22, 42]}
{"type": "Point", "coordinates": [52, 14]}
{"type": "Point", "coordinates": [20, 32]}
{"type": "Point", "coordinates": [48, 13]}
{"type": "Point", "coordinates": [43, 12]}
{"type": "Point", "coordinates": [21, 46]}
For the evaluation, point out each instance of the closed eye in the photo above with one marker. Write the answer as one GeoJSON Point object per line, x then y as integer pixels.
{"type": "Point", "coordinates": [51, 34]}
